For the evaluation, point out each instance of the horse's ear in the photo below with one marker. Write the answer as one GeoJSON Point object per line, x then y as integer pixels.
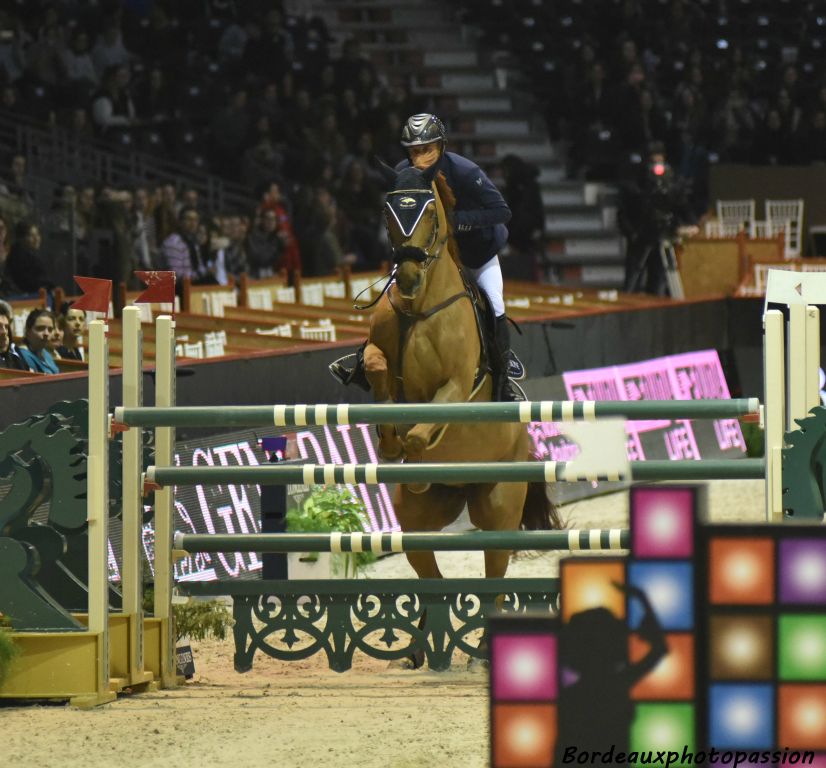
{"type": "Point", "coordinates": [388, 174]}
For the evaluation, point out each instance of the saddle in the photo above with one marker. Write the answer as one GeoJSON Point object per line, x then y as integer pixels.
{"type": "Point", "coordinates": [349, 369]}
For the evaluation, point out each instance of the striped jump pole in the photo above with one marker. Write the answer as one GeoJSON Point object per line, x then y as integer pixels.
{"type": "Point", "coordinates": [432, 413]}
{"type": "Point", "coordinates": [384, 543]}
{"type": "Point", "coordinates": [465, 472]}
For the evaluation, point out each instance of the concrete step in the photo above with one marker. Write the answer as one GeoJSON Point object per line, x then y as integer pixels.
{"type": "Point", "coordinates": [603, 276]}
{"type": "Point", "coordinates": [563, 194]}
{"type": "Point", "coordinates": [450, 59]}
{"type": "Point", "coordinates": [564, 226]}
{"type": "Point", "coordinates": [551, 173]}
{"type": "Point", "coordinates": [497, 103]}
{"type": "Point", "coordinates": [606, 243]}
{"type": "Point", "coordinates": [492, 126]}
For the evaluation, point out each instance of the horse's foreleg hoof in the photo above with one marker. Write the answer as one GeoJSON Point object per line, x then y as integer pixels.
{"type": "Point", "coordinates": [477, 665]}
{"type": "Point", "coordinates": [418, 487]}
{"type": "Point", "coordinates": [391, 450]}
{"type": "Point", "coordinates": [415, 661]}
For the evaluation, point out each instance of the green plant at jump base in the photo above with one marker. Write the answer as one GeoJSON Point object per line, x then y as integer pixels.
{"type": "Point", "coordinates": [9, 651]}
{"type": "Point", "coordinates": [329, 509]}
{"type": "Point", "coordinates": [198, 620]}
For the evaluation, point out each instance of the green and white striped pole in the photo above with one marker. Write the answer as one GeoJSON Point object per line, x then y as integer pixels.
{"type": "Point", "coordinates": [465, 472]}
{"type": "Point", "coordinates": [382, 543]}
{"type": "Point", "coordinates": [432, 413]}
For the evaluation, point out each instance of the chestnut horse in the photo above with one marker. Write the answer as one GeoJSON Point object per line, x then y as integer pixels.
{"type": "Point", "coordinates": [424, 347]}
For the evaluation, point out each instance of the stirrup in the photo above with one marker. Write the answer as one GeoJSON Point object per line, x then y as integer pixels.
{"type": "Point", "coordinates": [350, 370]}
{"type": "Point", "coordinates": [512, 392]}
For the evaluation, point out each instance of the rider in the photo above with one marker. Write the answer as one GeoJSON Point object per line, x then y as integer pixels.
{"type": "Point", "coordinates": [479, 219]}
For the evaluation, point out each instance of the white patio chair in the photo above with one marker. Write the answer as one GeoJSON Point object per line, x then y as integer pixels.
{"type": "Point", "coordinates": [787, 216]}
{"type": "Point", "coordinates": [736, 215]}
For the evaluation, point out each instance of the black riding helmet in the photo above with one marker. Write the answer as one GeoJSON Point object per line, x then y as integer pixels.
{"type": "Point", "coordinates": [423, 128]}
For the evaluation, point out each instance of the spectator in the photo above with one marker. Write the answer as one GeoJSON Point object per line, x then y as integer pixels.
{"type": "Point", "coordinates": [231, 256]}
{"type": "Point", "coordinates": [12, 45]}
{"type": "Point", "coordinates": [181, 252]}
{"type": "Point", "coordinates": [55, 341]}
{"type": "Point", "coordinates": [45, 58]}
{"type": "Point", "coordinates": [73, 324]}
{"type": "Point", "coordinates": [6, 286]}
{"type": "Point", "coordinates": [143, 229]}
{"type": "Point", "coordinates": [16, 183]}
{"type": "Point", "coordinates": [359, 203]}
{"type": "Point", "coordinates": [264, 246]}
{"type": "Point", "coordinates": [10, 356]}
{"type": "Point", "coordinates": [522, 194]}
{"type": "Point", "coordinates": [78, 64]}
{"type": "Point", "coordinates": [812, 143]}
{"type": "Point", "coordinates": [39, 329]}
{"type": "Point", "coordinates": [165, 212]}
{"type": "Point", "coordinates": [228, 132]}
{"type": "Point", "coordinates": [26, 268]}
{"type": "Point", "coordinates": [154, 99]}
{"type": "Point", "coordinates": [273, 200]}
{"type": "Point", "coordinates": [109, 51]}
{"type": "Point", "coordinates": [112, 106]}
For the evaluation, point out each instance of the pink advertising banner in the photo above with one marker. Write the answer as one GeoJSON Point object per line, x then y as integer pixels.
{"type": "Point", "coordinates": [688, 376]}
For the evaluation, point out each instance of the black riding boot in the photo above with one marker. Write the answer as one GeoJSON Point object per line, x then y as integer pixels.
{"type": "Point", "coordinates": [504, 365]}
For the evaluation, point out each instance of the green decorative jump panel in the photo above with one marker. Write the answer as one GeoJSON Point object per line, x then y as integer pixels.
{"type": "Point", "coordinates": [431, 413]}
{"type": "Point", "coordinates": [383, 618]}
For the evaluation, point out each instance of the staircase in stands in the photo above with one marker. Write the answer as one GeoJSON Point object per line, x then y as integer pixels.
{"type": "Point", "coordinates": [491, 116]}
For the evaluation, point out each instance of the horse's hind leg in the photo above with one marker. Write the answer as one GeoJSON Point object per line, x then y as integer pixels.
{"type": "Point", "coordinates": [495, 508]}
{"type": "Point", "coordinates": [429, 511]}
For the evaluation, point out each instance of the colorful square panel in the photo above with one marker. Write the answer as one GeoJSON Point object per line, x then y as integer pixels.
{"type": "Point", "coordinates": [588, 582]}
{"type": "Point", "coordinates": [523, 735]}
{"type": "Point", "coordinates": [741, 716]}
{"type": "Point", "coordinates": [741, 571]}
{"type": "Point", "coordinates": [801, 647]}
{"type": "Point", "coordinates": [670, 590]}
{"type": "Point", "coordinates": [523, 667]}
{"type": "Point", "coordinates": [662, 522]}
{"type": "Point", "coordinates": [741, 647]}
{"type": "Point", "coordinates": [802, 716]}
{"type": "Point", "coordinates": [803, 571]}
{"type": "Point", "coordinates": [673, 677]}
{"type": "Point", "coordinates": [663, 727]}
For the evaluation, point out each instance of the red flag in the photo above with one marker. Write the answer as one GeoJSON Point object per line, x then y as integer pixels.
{"type": "Point", "coordinates": [160, 288]}
{"type": "Point", "coordinates": [97, 294]}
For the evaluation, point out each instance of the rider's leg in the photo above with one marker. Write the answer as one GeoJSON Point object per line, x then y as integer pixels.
{"type": "Point", "coordinates": [489, 279]}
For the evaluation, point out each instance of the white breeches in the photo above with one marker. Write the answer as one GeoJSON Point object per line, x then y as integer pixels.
{"type": "Point", "coordinates": [489, 279]}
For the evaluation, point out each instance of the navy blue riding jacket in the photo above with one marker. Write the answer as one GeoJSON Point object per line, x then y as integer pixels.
{"type": "Point", "coordinates": [481, 212]}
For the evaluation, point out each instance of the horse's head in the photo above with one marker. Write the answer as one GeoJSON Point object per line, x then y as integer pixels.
{"type": "Point", "coordinates": [414, 217]}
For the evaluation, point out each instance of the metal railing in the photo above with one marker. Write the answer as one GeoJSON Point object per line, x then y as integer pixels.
{"type": "Point", "coordinates": [52, 152]}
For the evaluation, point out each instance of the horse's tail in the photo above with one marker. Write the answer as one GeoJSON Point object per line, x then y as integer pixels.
{"type": "Point", "coordinates": [539, 512]}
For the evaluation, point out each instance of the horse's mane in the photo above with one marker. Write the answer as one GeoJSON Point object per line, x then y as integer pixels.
{"type": "Point", "coordinates": [448, 198]}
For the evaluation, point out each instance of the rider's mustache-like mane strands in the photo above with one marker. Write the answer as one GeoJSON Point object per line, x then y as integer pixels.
{"type": "Point", "coordinates": [448, 198]}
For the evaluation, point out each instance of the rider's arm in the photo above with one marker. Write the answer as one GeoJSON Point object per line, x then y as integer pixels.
{"type": "Point", "coordinates": [482, 203]}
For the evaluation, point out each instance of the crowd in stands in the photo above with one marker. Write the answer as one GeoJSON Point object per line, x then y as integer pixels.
{"type": "Point", "coordinates": [49, 337]}
{"type": "Point", "coordinates": [738, 81]}
{"type": "Point", "coordinates": [242, 90]}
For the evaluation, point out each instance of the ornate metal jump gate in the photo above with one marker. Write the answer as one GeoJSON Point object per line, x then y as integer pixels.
{"type": "Point", "coordinates": [383, 618]}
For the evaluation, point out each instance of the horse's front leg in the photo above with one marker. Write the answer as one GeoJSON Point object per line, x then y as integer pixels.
{"type": "Point", "coordinates": [378, 374]}
{"type": "Point", "coordinates": [419, 436]}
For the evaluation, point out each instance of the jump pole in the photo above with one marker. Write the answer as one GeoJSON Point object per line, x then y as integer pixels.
{"type": "Point", "coordinates": [132, 511]}
{"type": "Point", "coordinates": [431, 413]}
{"type": "Point", "coordinates": [164, 497]}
